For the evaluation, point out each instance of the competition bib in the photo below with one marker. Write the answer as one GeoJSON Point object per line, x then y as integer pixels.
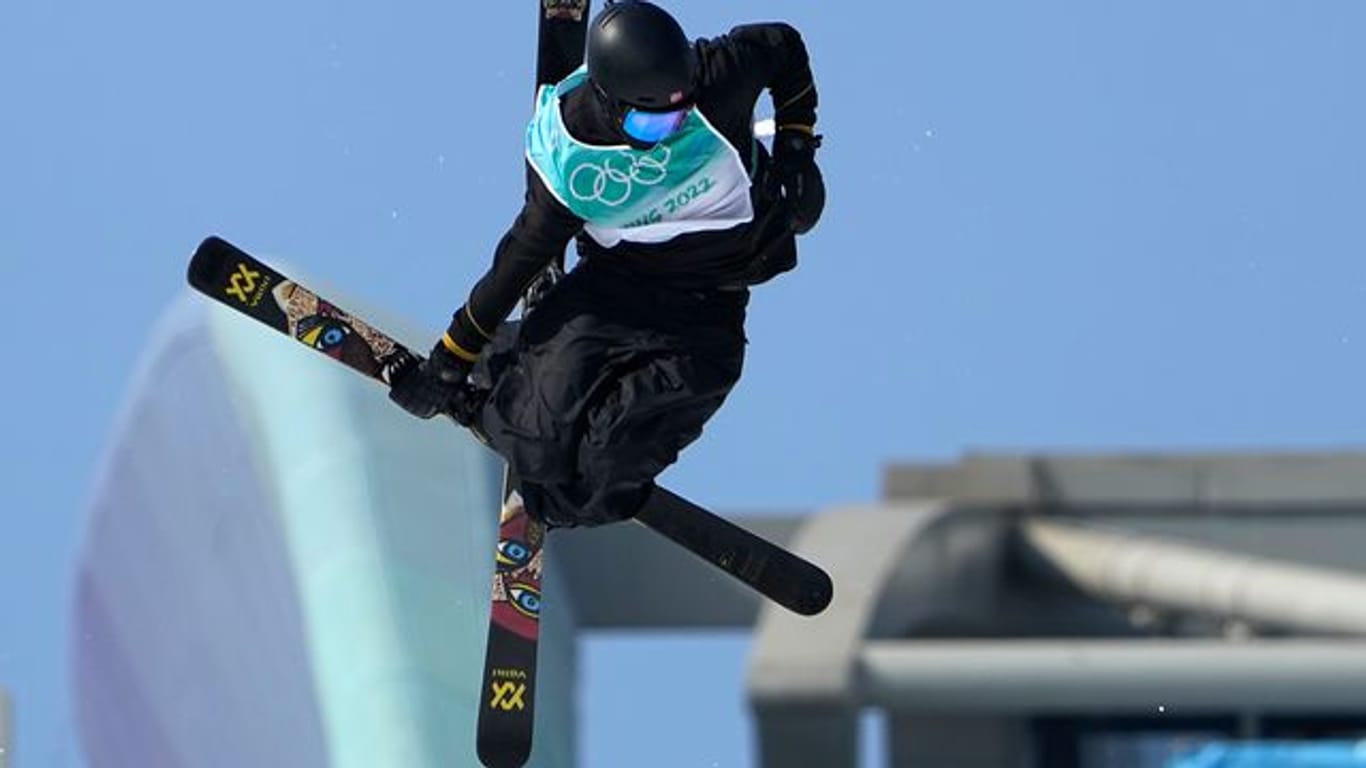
{"type": "Point", "coordinates": [692, 181]}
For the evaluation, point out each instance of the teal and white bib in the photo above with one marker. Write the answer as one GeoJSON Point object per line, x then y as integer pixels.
{"type": "Point", "coordinates": [692, 181]}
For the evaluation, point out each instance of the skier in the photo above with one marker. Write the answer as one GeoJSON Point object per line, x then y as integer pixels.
{"type": "Point", "coordinates": [647, 156]}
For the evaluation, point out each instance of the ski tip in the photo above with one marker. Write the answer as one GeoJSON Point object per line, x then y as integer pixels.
{"type": "Point", "coordinates": [501, 756]}
{"type": "Point", "coordinates": [208, 262]}
{"type": "Point", "coordinates": [817, 596]}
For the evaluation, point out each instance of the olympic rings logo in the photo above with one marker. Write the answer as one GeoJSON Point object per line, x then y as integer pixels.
{"type": "Point", "coordinates": [612, 182]}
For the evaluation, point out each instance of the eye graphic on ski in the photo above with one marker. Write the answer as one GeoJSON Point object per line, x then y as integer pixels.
{"type": "Point", "coordinates": [325, 334]}
{"type": "Point", "coordinates": [513, 554]}
{"type": "Point", "coordinates": [526, 599]}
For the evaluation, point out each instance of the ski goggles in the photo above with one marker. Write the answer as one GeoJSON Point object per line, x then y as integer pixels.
{"type": "Point", "coordinates": [652, 127]}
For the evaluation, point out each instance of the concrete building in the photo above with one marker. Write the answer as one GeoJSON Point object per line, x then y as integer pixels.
{"type": "Point", "coordinates": [1034, 611]}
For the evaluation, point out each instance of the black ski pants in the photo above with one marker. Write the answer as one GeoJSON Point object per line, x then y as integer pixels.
{"type": "Point", "coordinates": [597, 390]}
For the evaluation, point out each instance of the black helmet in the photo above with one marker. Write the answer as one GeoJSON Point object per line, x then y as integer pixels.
{"type": "Point", "coordinates": [639, 56]}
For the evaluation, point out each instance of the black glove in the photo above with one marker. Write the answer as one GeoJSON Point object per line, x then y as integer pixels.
{"type": "Point", "coordinates": [434, 386]}
{"type": "Point", "coordinates": [803, 188]}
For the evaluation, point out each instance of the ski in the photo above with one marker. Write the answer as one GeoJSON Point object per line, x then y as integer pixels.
{"type": "Point", "coordinates": [507, 705]}
{"type": "Point", "coordinates": [769, 569]}
{"type": "Point", "coordinates": [227, 274]}
{"type": "Point", "coordinates": [508, 698]}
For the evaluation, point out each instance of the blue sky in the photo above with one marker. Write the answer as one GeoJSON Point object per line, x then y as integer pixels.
{"type": "Point", "coordinates": [1053, 225]}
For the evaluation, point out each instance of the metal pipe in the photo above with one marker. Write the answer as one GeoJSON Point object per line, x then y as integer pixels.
{"type": "Point", "coordinates": [1127, 568]}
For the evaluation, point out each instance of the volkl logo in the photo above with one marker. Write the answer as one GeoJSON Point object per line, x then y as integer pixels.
{"type": "Point", "coordinates": [508, 696]}
{"type": "Point", "coordinates": [243, 282]}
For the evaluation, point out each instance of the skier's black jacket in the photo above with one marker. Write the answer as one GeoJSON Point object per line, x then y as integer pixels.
{"type": "Point", "coordinates": [735, 69]}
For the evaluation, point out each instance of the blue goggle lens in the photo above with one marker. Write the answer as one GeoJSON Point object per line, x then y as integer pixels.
{"type": "Point", "coordinates": [651, 127]}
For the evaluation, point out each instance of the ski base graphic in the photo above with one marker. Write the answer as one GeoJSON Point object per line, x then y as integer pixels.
{"type": "Point", "coordinates": [507, 710]}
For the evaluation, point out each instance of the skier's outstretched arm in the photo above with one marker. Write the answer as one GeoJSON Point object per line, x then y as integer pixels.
{"type": "Point", "coordinates": [539, 234]}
